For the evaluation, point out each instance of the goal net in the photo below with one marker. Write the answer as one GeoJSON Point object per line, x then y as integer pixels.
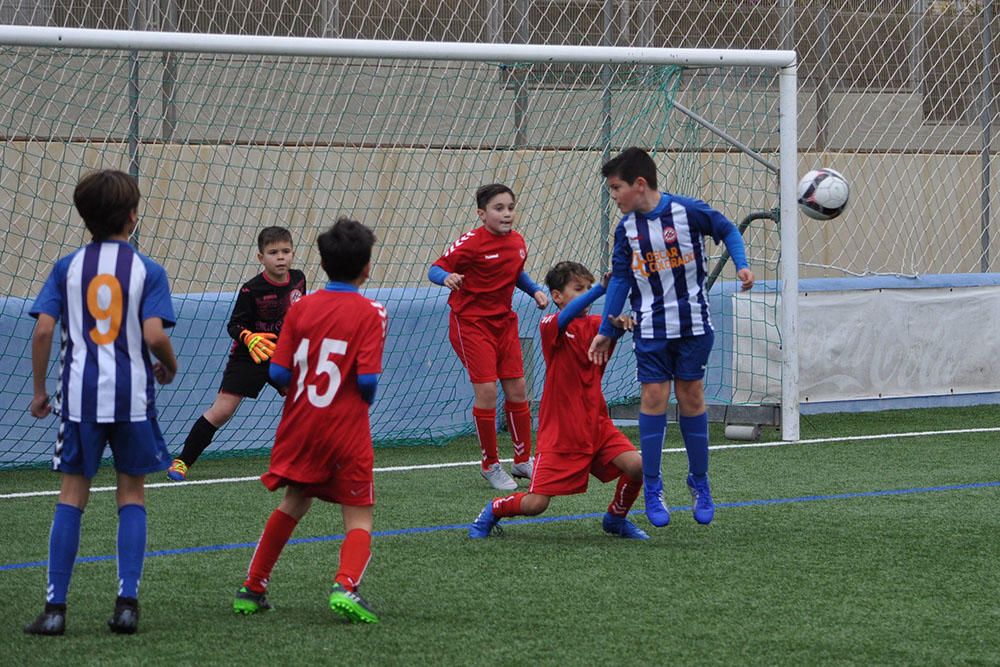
{"type": "Point", "coordinates": [295, 132]}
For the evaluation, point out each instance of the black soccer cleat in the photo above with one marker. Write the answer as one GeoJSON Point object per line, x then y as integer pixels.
{"type": "Point", "coordinates": [125, 620]}
{"type": "Point", "coordinates": [50, 622]}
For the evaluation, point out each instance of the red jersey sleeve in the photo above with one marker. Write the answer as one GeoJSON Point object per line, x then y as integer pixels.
{"type": "Point", "coordinates": [548, 330]}
{"type": "Point", "coordinates": [372, 340]}
{"type": "Point", "coordinates": [284, 352]}
{"type": "Point", "coordinates": [455, 257]}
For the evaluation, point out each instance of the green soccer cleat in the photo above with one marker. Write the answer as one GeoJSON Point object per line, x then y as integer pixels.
{"type": "Point", "coordinates": [247, 602]}
{"type": "Point", "coordinates": [351, 606]}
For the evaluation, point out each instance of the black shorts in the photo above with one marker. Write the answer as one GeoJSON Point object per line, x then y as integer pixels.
{"type": "Point", "coordinates": [243, 377]}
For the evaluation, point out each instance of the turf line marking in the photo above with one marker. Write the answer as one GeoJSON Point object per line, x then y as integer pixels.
{"type": "Point", "coordinates": [528, 520]}
{"type": "Point", "coordinates": [462, 464]}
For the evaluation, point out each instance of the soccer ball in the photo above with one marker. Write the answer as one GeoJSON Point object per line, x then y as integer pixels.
{"type": "Point", "coordinates": [823, 194]}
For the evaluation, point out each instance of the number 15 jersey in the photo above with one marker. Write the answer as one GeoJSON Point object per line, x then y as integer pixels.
{"type": "Point", "coordinates": [328, 339]}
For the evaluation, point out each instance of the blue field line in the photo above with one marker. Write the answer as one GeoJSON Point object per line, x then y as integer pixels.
{"type": "Point", "coordinates": [529, 520]}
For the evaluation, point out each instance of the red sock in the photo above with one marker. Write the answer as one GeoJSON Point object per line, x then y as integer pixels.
{"type": "Point", "coordinates": [355, 553]}
{"type": "Point", "coordinates": [486, 428]}
{"type": "Point", "coordinates": [519, 425]}
{"type": "Point", "coordinates": [508, 505]}
{"type": "Point", "coordinates": [625, 495]}
{"type": "Point", "coordinates": [278, 529]}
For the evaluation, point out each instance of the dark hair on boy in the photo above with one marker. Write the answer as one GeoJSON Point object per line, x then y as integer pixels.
{"type": "Point", "coordinates": [629, 165]}
{"type": "Point", "coordinates": [485, 193]}
{"type": "Point", "coordinates": [270, 235]}
{"type": "Point", "coordinates": [345, 249]}
{"type": "Point", "coordinates": [559, 275]}
{"type": "Point", "coordinates": [105, 200]}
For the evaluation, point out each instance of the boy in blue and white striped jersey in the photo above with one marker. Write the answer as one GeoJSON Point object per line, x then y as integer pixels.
{"type": "Point", "coordinates": [660, 261]}
{"type": "Point", "coordinates": [113, 304]}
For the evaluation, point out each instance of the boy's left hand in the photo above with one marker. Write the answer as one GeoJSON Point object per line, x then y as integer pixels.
{"type": "Point", "coordinates": [600, 350]}
{"type": "Point", "coordinates": [541, 300]}
{"type": "Point", "coordinates": [605, 280]}
{"type": "Point", "coordinates": [746, 277]}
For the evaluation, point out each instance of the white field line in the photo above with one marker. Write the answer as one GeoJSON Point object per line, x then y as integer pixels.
{"type": "Point", "coordinates": [457, 464]}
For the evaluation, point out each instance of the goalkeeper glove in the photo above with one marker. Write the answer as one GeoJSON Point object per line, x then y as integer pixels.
{"type": "Point", "coordinates": [260, 345]}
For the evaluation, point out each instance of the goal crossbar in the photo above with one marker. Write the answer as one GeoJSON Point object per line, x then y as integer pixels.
{"type": "Point", "coordinates": [85, 38]}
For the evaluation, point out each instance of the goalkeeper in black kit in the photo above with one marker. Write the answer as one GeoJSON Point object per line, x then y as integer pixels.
{"type": "Point", "coordinates": [254, 326]}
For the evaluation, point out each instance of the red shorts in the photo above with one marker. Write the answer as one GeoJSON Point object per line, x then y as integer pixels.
{"type": "Point", "coordinates": [351, 483]}
{"type": "Point", "coordinates": [561, 473]}
{"type": "Point", "coordinates": [488, 347]}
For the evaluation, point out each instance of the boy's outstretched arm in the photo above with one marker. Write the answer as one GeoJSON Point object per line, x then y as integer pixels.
{"type": "Point", "coordinates": [159, 344]}
{"type": "Point", "coordinates": [737, 250]}
{"type": "Point", "coordinates": [41, 349]}
{"type": "Point", "coordinates": [575, 308]}
{"type": "Point", "coordinates": [617, 293]}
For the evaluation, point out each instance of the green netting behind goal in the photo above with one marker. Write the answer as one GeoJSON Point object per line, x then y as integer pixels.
{"type": "Point", "coordinates": [224, 145]}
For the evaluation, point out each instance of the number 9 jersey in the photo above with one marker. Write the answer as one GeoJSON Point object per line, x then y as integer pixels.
{"type": "Point", "coordinates": [101, 294]}
{"type": "Point", "coordinates": [328, 339]}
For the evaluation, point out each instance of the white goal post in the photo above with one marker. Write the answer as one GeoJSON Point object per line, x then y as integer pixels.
{"type": "Point", "coordinates": [782, 62]}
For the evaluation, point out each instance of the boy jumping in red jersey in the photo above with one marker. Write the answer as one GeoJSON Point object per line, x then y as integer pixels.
{"type": "Point", "coordinates": [576, 437]}
{"type": "Point", "coordinates": [329, 357]}
{"type": "Point", "coordinates": [481, 269]}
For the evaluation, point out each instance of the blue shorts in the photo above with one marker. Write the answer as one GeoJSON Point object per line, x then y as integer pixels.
{"type": "Point", "coordinates": [661, 360]}
{"type": "Point", "coordinates": [138, 447]}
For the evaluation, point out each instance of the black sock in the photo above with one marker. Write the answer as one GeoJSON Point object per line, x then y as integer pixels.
{"type": "Point", "coordinates": [198, 439]}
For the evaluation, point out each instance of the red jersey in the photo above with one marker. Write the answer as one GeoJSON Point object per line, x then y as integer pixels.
{"type": "Point", "coordinates": [491, 265]}
{"type": "Point", "coordinates": [573, 412]}
{"type": "Point", "coordinates": [328, 339]}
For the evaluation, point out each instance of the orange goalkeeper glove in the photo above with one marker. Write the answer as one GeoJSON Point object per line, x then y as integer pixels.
{"type": "Point", "coordinates": [261, 345]}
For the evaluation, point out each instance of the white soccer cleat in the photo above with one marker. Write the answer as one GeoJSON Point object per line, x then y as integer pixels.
{"type": "Point", "coordinates": [498, 478]}
{"type": "Point", "coordinates": [523, 470]}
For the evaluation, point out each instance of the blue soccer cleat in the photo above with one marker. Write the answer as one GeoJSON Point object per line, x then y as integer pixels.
{"type": "Point", "coordinates": [701, 499]}
{"type": "Point", "coordinates": [620, 526]}
{"type": "Point", "coordinates": [485, 523]}
{"type": "Point", "coordinates": [656, 510]}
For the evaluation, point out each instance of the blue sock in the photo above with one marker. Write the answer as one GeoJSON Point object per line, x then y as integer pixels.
{"type": "Point", "coordinates": [652, 429]}
{"type": "Point", "coordinates": [694, 430]}
{"type": "Point", "coordinates": [64, 541]}
{"type": "Point", "coordinates": [131, 548]}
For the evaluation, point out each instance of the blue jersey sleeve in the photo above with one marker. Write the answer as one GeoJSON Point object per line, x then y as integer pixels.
{"type": "Point", "coordinates": [710, 222]}
{"type": "Point", "coordinates": [368, 385]}
{"type": "Point", "coordinates": [156, 295]}
{"type": "Point", "coordinates": [574, 308]}
{"type": "Point", "coordinates": [527, 285]}
{"type": "Point", "coordinates": [618, 286]}
{"type": "Point", "coordinates": [279, 375]}
{"type": "Point", "coordinates": [50, 300]}
{"type": "Point", "coordinates": [436, 274]}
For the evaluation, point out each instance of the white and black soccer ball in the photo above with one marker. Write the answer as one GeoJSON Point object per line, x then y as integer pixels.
{"type": "Point", "coordinates": [823, 194]}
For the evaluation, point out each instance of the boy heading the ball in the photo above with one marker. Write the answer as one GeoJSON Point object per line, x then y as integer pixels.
{"type": "Point", "coordinates": [481, 269]}
{"type": "Point", "coordinates": [576, 437]}
{"type": "Point", "coordinates": [660, 259]}
{"type": "Point", "coordinates": [113, 305]}
{"type": "Point", "coordinates": [254, 326]}
{"type": "Point", "coordinates": [329, 358]}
